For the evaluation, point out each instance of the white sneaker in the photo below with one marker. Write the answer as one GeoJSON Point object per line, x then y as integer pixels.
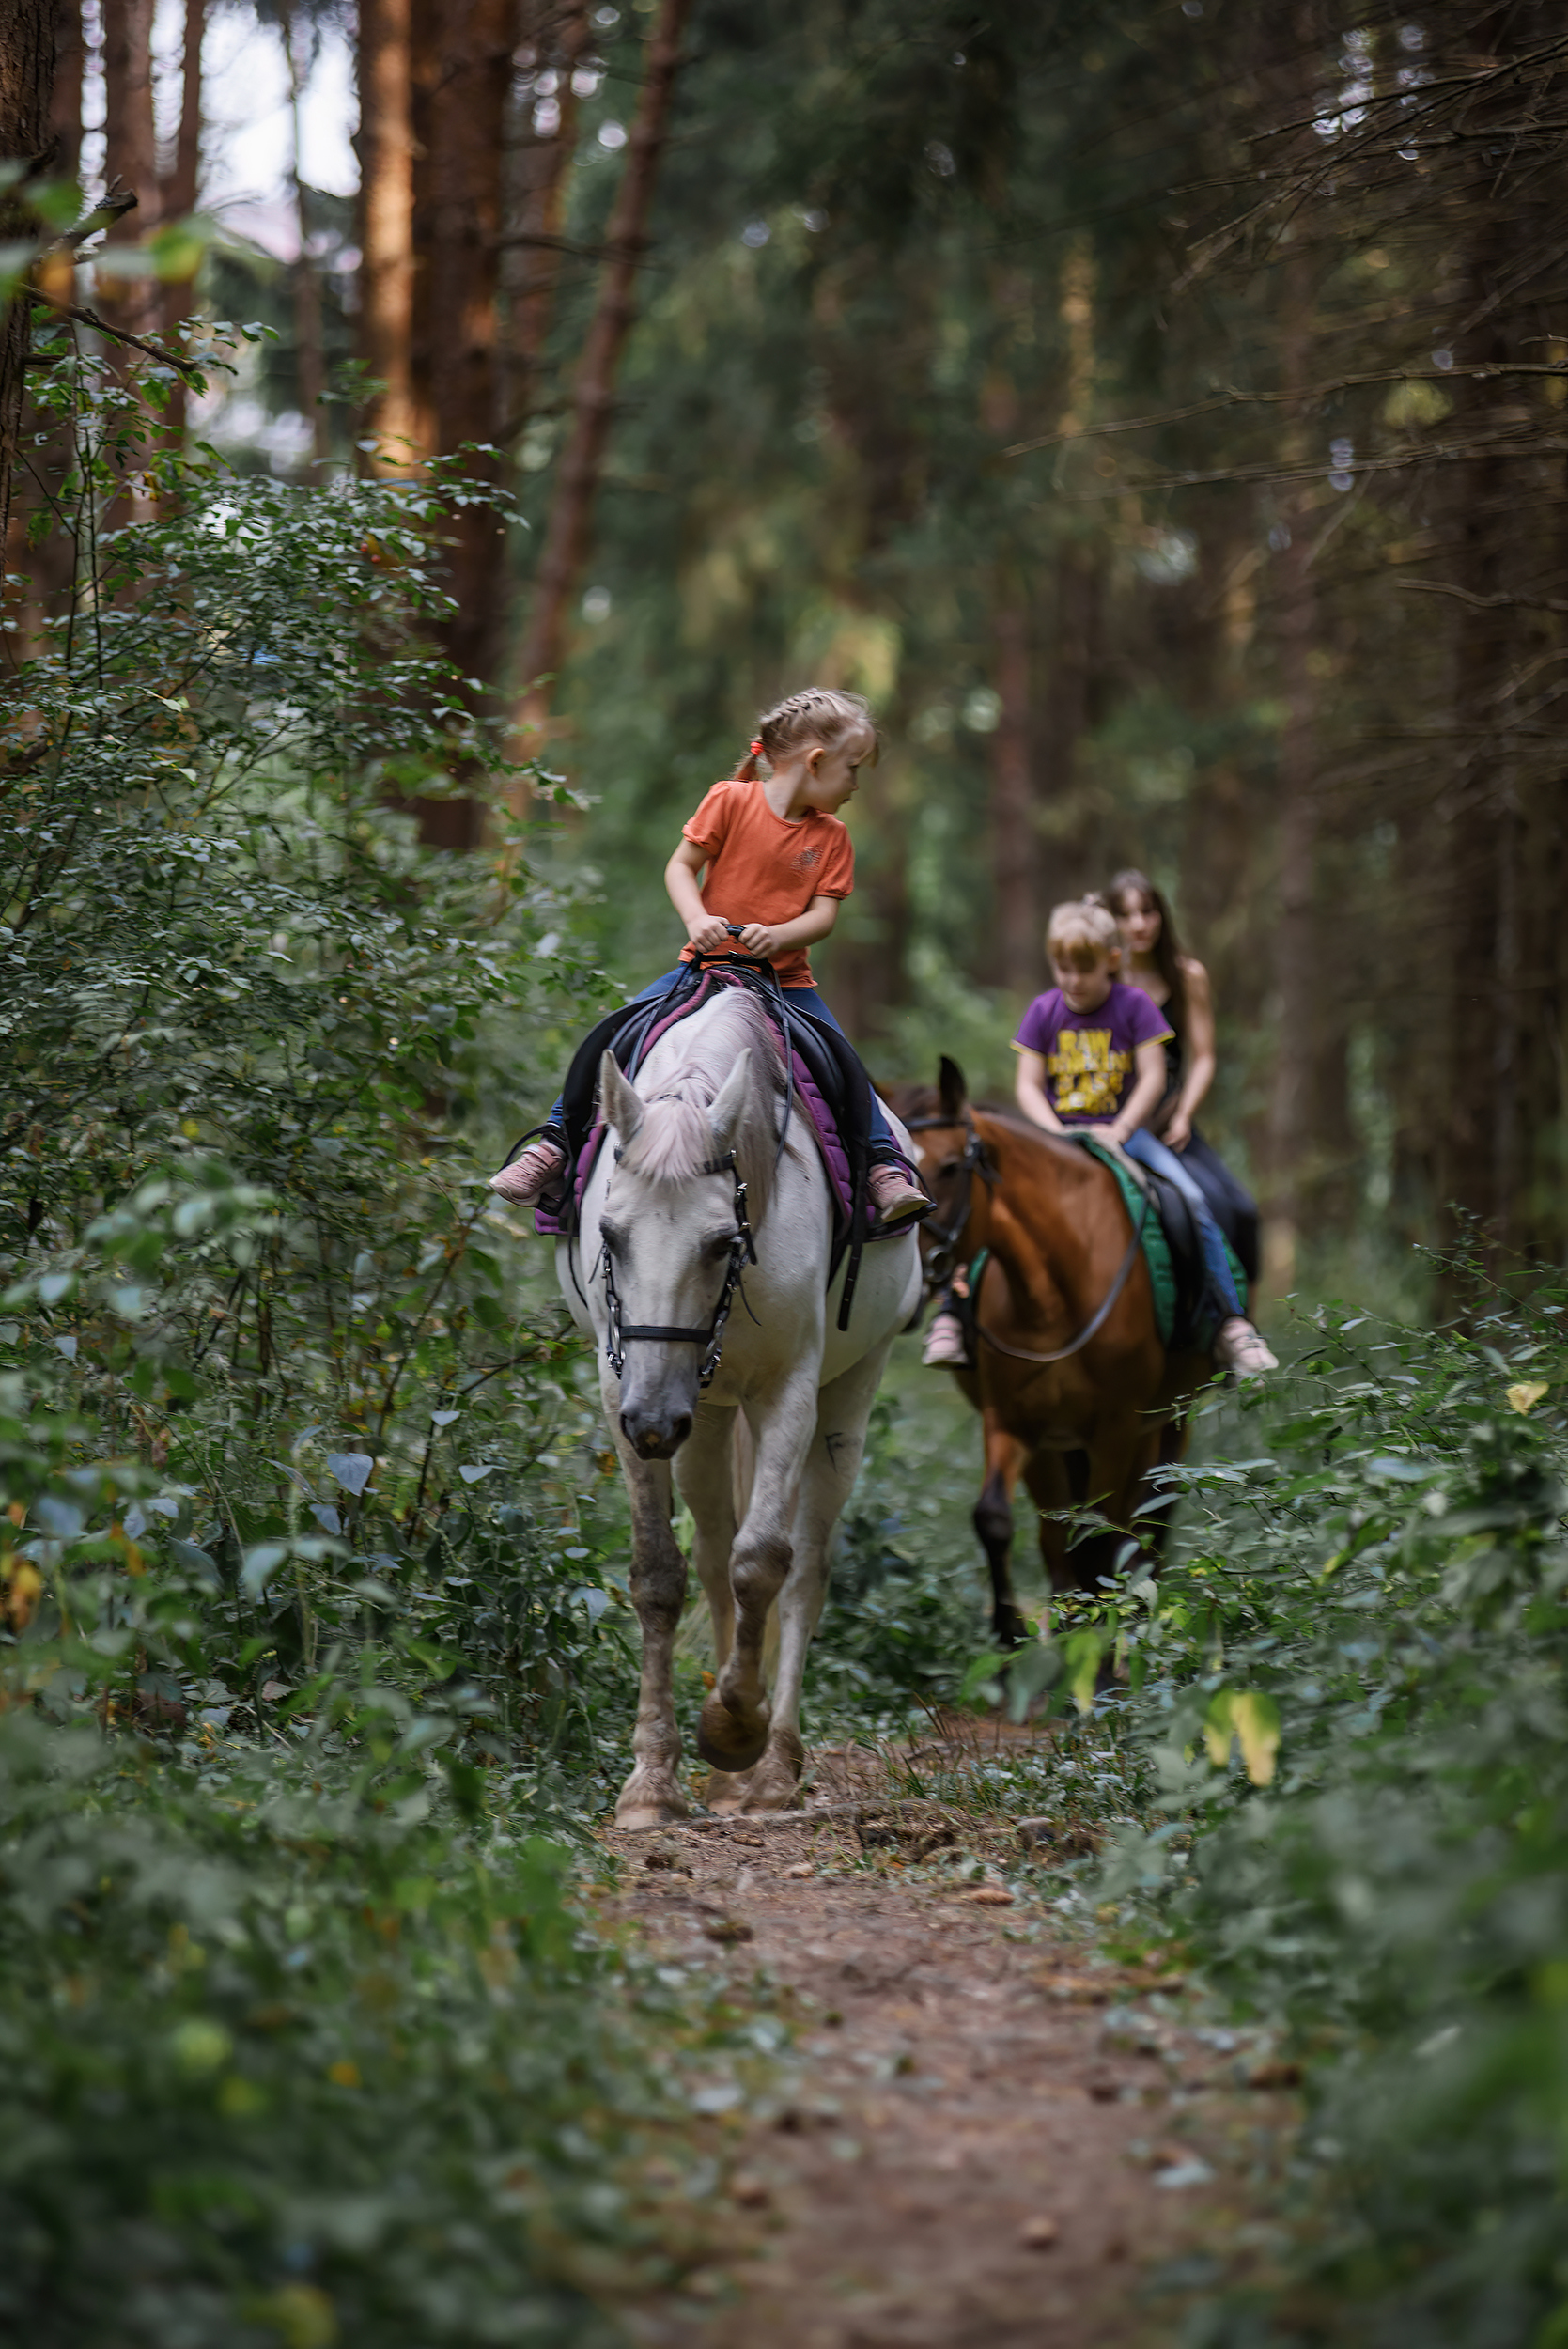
{"type": "Point", "coordinates": [526, 1180]}
{"type": "Point", "coordinates": [1239, 1348]}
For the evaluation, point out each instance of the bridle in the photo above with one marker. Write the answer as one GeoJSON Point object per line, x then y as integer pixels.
{"type": "Point", "coordinates": [943, 1256]}
{"type": "Point", "coordinates": [620, 1334]}
{"type": "Point", "coordinates": [941, 1253]}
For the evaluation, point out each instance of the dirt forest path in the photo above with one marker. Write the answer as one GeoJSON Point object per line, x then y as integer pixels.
{"type": "Point", "coordinates": [993, 2135]}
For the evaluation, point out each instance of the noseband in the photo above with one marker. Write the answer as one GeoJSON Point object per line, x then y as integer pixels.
{"type": "Point", "coordinates": [620, 1334]}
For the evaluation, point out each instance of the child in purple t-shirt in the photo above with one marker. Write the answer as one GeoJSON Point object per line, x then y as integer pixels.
{"type": "Point", "coordinates": [1092, 1056]}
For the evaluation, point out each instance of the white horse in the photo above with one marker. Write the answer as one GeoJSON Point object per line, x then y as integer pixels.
{"type": "Point", "coordinates": [693, 1183]}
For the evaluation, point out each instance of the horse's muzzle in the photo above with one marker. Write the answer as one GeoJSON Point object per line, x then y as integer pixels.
{"type": "Point", "coordinates": [656, 1435]}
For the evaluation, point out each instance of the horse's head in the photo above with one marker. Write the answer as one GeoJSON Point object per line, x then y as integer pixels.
{"type": "Point", "coordinates": [672, 1225]}
{"type": "Point", "coordinates": [949, 1151]}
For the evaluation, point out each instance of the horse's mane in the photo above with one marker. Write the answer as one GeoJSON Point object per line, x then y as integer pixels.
{"type": "Point", "coordinates": [683, 1074]}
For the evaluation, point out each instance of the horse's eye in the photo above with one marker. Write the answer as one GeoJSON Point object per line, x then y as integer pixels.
{"type": "Point", "coordinates": [948, 1166]}
{"type": "Point", "coordinates": [610, 1234]}
{"type": "Point", "coordinates": [719, 1246]}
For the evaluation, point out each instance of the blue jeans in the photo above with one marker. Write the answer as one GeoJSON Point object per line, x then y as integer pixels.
{"type": "Point", "coordinates": [883, 1146]}
{"type": "Point", "coordinates": [1159, 1160]}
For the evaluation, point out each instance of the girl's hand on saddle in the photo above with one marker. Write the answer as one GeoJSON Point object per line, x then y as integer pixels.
{"type": "Point", "coordinates": [710, 935]}
{"type": "Point", "coordinates": [758, 940]}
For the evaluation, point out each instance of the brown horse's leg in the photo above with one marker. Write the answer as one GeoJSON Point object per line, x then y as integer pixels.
{"type": "Point", "coordinates": [1005, 1458]}
{"type": "Point", "coordinates": [1053, 1488]}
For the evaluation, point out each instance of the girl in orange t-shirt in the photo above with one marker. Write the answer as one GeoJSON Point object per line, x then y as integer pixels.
{"type": "Point", "coordinates": [778, 863]}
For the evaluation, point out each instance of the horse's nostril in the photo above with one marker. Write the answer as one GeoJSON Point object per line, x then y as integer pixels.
{"type": "Point", "coordinates": [655, 1439]}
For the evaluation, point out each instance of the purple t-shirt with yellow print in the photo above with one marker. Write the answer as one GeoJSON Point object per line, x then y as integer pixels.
{"type": "Point", "coordinates": [1091, 1056]}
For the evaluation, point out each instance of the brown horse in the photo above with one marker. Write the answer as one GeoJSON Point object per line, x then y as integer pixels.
{"type": "Point", "coordinates": [1076, 1391]}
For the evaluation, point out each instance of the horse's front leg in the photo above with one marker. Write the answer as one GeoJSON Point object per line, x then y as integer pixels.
{"type": "Point", "coordinates": [827, 1481]}
{"type": "Point", "coordinates": [653, 1794]}
{"type": "Point", "coordinates": [733, 1732]}
{"type": "Point", "coordinates": [993, 1521]}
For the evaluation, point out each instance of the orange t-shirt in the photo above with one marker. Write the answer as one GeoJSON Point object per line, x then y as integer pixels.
{"type": "Point", "coordinates": [761, 868]}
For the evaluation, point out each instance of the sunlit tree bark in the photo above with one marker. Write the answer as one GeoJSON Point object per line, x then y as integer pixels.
{"type": "Point", "coordinates": [386, 229]}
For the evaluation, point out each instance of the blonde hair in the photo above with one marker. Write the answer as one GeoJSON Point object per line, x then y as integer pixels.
{"type": "Point", "coordinates": [1079, 924]}
{"type": "Point", "coordinates": [817, 715]}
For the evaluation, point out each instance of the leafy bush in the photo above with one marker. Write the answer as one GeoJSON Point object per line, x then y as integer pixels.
{"type": "Point", "coordinates": [306, 1630]}
{"type": "Point", "coordinates": [1368, 1634]}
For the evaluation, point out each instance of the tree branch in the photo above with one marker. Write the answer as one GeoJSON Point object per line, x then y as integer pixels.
{"type": "Point", "coordinates": [118, 334]}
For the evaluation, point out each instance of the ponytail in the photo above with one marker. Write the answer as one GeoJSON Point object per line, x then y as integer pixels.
{"type": "Point", "coordinates": [814, 716]}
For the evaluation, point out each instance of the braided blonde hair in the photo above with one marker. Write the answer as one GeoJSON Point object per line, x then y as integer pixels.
{"type": "Point", "coordinates": [817, 715]}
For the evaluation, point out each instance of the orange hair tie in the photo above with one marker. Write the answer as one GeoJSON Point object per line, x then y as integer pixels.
{"type": "Point", "coordinates": [756, 748]}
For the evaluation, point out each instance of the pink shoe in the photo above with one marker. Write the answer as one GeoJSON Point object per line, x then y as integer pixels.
{"type": "Point", "coordinates": [527, 1179]}
{"type": "Point", "coordinates": [896, 1200]}
{"type": "Point", "coordinates": [945, 1348]}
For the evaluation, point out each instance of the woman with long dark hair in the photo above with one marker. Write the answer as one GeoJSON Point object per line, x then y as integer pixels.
{"type": "Point", "coordinates": [1153, 959]}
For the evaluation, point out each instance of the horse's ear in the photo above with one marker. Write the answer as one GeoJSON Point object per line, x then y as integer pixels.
{"type": "Point", "coordinates": [730, 1101]}
{"type": "Point", "coordinates": [953, 1091]}
{"type": "Point", "coordinates": [618, 1099]}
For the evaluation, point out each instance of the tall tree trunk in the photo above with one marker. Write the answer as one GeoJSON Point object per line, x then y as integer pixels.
{"type": "Point", "coordinates": [385, 145]}
{"type": "Point", "coordinates": [1295, 935]}
{"type": "Point", "coordinates": [1296, 971]}
{"type": "Point", "coordinates": [463, 243]}
{"type": "Point", "coordinates": [179, 193]}
{"type": "Point", "coordinates": [1479, 1150]}
{"type": "Point", "coordinates": [65, 113]}
{"type": "Point", "coordinates": [27, 88]}
{"type": "Point", "coordinates": [559, 39]}
{"type": "Point", "coordinates": [131, 150]}
{"type": "Point", "coordinates": [310, 371]}
{"type": "Point", "coordinates": [1014, 839]}
{"type": "Point", "coordinates": [571, 510]}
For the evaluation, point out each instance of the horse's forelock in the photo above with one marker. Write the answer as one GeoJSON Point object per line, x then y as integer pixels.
{"type": "Point", "coordinates": [684, 1073]}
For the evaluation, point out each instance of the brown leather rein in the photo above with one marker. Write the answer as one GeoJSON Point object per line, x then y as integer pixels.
{"type": "Point", "coordinates": [946, 1236]}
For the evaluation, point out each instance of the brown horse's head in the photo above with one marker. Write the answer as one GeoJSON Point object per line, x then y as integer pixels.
{"type": "Point", "coordinates": [945, 1143]}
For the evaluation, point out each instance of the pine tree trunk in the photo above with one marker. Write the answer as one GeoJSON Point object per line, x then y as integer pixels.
{"type": "Point", "coordinates": [180, 191]}
{"type": "Point", "coordinates": [571, 510]}
{"type": "Point", "coordinates": [385, 146]}
{"type": "Point", "coordinates": [26, 88]}
{"type": "Point", "coordinates": [65, 114]}
{"type": "Point", "coordinates": [310, 371]}
{"type": "Point", "coordinates": [131, 152]}
{"type": "Point", "coordinates": [561, 35]}
{"type": "Point", "coordinates": [461, 237]}
{"type": "Point", "coordinates": [1296, 943]}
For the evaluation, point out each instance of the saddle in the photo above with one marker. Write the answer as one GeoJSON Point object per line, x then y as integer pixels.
{"type": "Point", "coordinates": [1185, 1314]}
{"type": "Point", "coordinates": [824, 1079]}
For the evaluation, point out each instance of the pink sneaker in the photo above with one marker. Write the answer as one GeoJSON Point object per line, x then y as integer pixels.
{"type": "Point", "coordinates": [526, 1180]}
{"type": "Point", "coordinates": [945, 1348]}
{"type": "Point", "coordinates": [896, 1200]}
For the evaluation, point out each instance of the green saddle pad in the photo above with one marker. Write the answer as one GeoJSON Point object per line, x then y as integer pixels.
{"type": "Point", "coordinates": [1156, 1249]}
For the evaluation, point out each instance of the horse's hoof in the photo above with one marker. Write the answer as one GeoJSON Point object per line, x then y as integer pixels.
{"type": "Point", "coordinates": [641, 1809]}
{"type": "Point", "coordinates": [774, 1784]}
{"type": "Point", "coordinates": [726, 1791]}
{"type": "Point", "coordinates": [726, 1740]}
